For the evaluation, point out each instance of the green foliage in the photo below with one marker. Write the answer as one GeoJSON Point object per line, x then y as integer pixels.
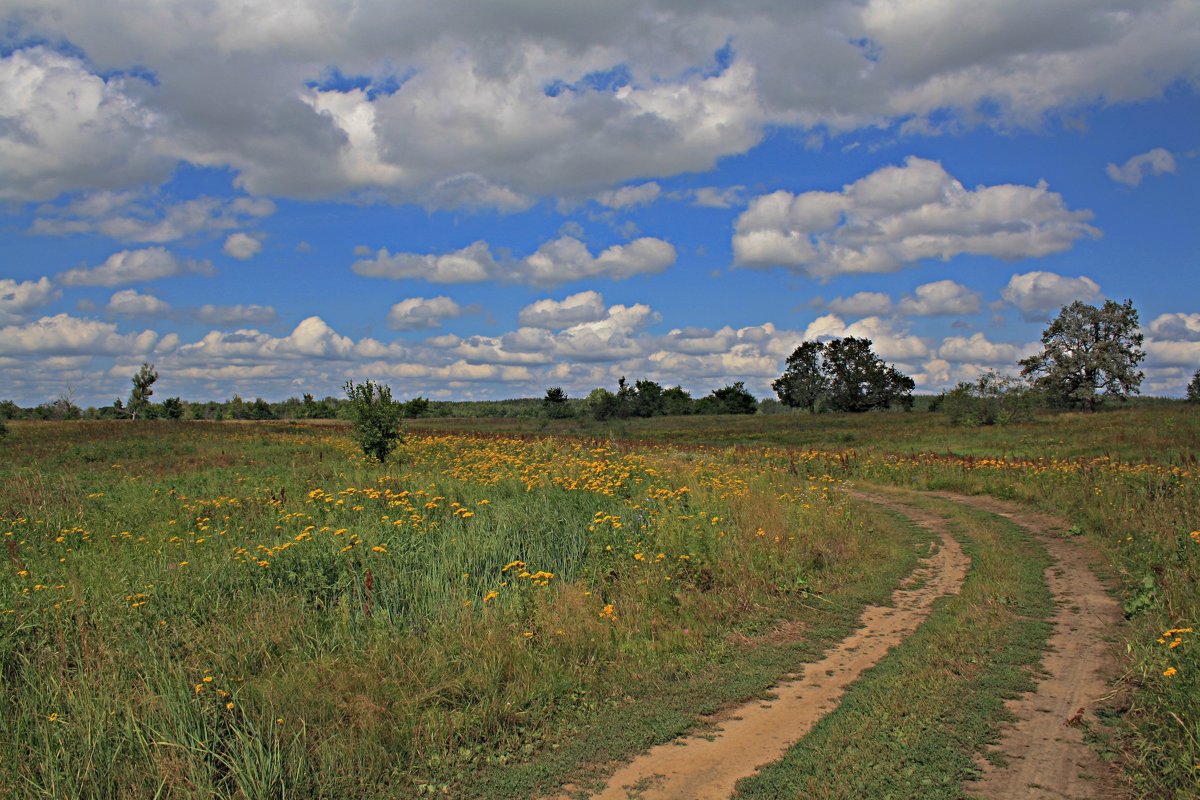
{"type": "Point", "coordinates": [376, 418]}
{"type": "Point", "coordinates": [556, 405]}
{"type": "Point", "coordinates": [1193, 389]}
{"type": "Point", "coordinates": [993, 399]}
{"type": "Point", "coordinates": [842, 375]}
{"type": "Point", "coordinates": [1086, 350]}
{"type": "Point", "coordinates": [172, 408]}
{"type": "Point", "coordinates": [803, 383]}
{"type": "Point", "coordinates": [3, 428]}
{"type": "Point", "coordinates": [416, 408]}
{"type": "Point", "coordinates": [677, 402]}
{"type": "Point", "coordinates": [732, 399]}
{"type": "Point", "coordinates": [139, 396]}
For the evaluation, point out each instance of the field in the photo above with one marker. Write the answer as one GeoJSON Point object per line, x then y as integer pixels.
{"type": "Point", "coordinates": [254, 610]}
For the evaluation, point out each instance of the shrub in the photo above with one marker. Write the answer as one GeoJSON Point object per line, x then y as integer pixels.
{"type": "Point", "coordinates": [994, 399]}
{"type": "Point", "coordinates": [376, 418]}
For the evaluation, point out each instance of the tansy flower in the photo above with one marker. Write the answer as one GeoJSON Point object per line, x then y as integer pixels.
{"type": "Point", "coordinates": [1170, 672]}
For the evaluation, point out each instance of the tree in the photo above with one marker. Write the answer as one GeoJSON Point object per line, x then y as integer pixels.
{"type": "Point", "coordinates": [677, 402]}
{"type": "Point", "coordinates": [172, 408]}
{"type": "Point", "coordinates": [555, 403]}
{"type": "Point", "coordinates": [602, 403]}
{"type": "Point", "coordinates": [732, 399]}
{"type": "Point", "coordinates": [139, 397]}
{"type": "Point", "coordinates": [803, 383]}
{"type": "Point", "coordinates": [1193, 390]}
{"type": "Point", "coordinates": [844, 375]}
{"type": "Point", "coordinates": [376, 418]}
{"type": "Point", "coordinates": [647, 399]}
{"type": "Point", "coordinates": [1086, 350]}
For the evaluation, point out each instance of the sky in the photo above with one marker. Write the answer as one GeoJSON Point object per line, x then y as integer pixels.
{"type": "Point", "coordinates": [483, 200]}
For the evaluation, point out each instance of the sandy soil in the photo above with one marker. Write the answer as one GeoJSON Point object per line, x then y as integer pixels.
{"type": "Point", "coordinates": [1044, 748]}
{"type": "Point", "coordinates": [753, 735]}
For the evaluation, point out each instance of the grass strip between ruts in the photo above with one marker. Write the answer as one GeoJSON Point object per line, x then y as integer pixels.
{"type": "Point", "coordinates": [914, 724]}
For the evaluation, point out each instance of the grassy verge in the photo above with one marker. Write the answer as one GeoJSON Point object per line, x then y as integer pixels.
{"type": "Point", "coordinates": [913, 724]}
{"type": "Point", "coordinates": [243, 611]}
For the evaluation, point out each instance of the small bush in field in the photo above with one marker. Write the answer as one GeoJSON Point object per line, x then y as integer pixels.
{"type": "Point", "coordinates": [994, 399]}
{"type": "Point", "coordinates": [376, 418]}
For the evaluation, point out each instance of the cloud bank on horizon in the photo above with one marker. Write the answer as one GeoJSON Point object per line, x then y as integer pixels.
{"type": "Point", "coordinates": [483, 201]}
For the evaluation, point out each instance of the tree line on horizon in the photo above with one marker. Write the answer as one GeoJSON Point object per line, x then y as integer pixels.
{"type": "Point", "coordinates": [1089, 354]}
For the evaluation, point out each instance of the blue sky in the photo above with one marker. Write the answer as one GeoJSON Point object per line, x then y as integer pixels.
{"type": "Point", "coordinates": [472, 202]}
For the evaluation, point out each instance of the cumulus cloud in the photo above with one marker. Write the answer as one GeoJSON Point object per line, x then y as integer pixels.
{"type": "Point", "coordinates": [455, 104]}
{"type": "Point", "coordinates": [129, 303]}
{"type": "Point", "coordinates": [940, 298]}
{"type": "Point", "coordinates": [1185, 327]}
{"type": "Point", "coordinates": [717, 197]}
{"type": "Point", "coordinates": [63, 334]}
{"type": "Point", "coordinates": [977, 349]}
{"type": "Point", "coordinates": [900, 215]}
{"type": "Point", "coordinates": [559, 261]}
{"type": "Point", "coordinates": [890, 340]}
{"type": "Point", "coordinates": [242, 246]}
{"type": "Point", "coordinates": [558, 314]}
{"type": "Point", "coordinates": [239, 314]}
{"type": "Point", "coordinates": [1038, 294]}
{"type": "Point", "coordinates": [134, 266]}
{"type": "Point", "coordinates": [630, 196]}
{"type": "Point", "coordinates": [19, 298]}
{"type": "Point", "coordinates": [1156, 162]}
{"type": "Point", "coordinates": [422, 312]}
{"type": "Point", "coordinates": [147, 217]}
{"type": "Point", "coordinates": [861, 304]}
{"type": "Point", "coordinates": [1173, 341]}
{"type": "Point", "coordinates": [311, 338]}
{"type": "Point", "coordinates": [63, 127]}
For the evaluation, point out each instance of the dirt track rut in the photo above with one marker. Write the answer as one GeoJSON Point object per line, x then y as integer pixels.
{"type": "Point", "coordinates": [1044, 749]}
{"type": "Point", "coordinates": [707, 767]}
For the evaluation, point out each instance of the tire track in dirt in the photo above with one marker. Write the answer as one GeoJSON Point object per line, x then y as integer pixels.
{"type": "Point", "coordinates": [1045, 749]}
{"type": "Point", "coordinates": [706, 766]}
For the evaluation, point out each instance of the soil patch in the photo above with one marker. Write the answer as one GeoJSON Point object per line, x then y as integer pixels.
{"type": "Point", "coordinates": [1044, 749]}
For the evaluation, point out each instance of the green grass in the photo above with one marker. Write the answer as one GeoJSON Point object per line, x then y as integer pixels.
{"type": "Point", "coordinates": [913, 724]}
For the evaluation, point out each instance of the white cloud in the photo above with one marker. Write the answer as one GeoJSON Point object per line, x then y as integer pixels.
{"type": "Point", "coordinates": [63, 334]}
{"type": "Point", "coordinates": [1156, 161]}
{"type": "Point", "coordinates": [718, 197]}
{"type": "Point", "coordinates": [861, 304]}
{"type": "Point", "coordinates": [134, 266]}
{"type": "Point", "coordinates": [18, 298]}
{"type": "Point", "coordinates": [567, 259]}
{"type": "Point", "coordinates": [1185, 327]}
{"type": "Point", "coordinates": [240, 314]}
{"type": "Point", "coordinates": [940, 298]}
{"type": "Point", "coordinates": [900, 215]}
{"type": "Point", "coordinates": [63, 127]}
{"type": "Point", "coordinates": [558, 261]}
{"type": "Point", "coordinates": [888, 341]}
{"type": "Point", "coordinates": [242, 246]}
{"type": "Point", "coordinates": [630, 196]}
{"type": "Point", "coordinates": [558, 314]}
{"type": "Point", "coordinates": [497, 105]}
{"type": "Point", "coordinates": [422, 312]}
{"type": "Point", "coordinates": [1038, 294]}
{"type": "Point", "coordinates": [977, 349]}
{"type": "Point", "coordinates": [146, 217]}
{"type": "Point", "coordinates": [129, 303]}
{"type": "Point", "coordinates": [311, 338]}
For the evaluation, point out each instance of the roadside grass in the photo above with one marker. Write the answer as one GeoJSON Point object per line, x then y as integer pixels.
{"type": "Point", "coordinates": [912, 726]}
{"type": "Point", "coordinates": [243, 611]}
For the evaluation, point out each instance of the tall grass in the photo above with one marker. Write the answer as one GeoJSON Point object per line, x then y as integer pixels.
{"type": "Point", "coordinates": [258, 611]}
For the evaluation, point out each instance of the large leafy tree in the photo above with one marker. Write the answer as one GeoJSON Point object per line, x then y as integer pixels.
{"type": "Point", "coordinates": [1088, 354]}
{"type": "Point", "coordinates": [1193, 389]}
{"type": "Point", "coordinates": [843, 375]}
{"type": "Point", "coordinates": [803, 382]}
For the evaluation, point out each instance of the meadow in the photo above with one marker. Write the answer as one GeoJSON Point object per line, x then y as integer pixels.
{"type": "Point", "coordinates": [256, 610]}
